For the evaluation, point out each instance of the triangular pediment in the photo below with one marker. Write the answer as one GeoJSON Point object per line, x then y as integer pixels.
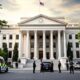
{"type": "Point", "coordinates": [42, 20]}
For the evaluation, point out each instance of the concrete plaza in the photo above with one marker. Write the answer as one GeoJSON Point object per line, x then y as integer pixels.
{"type": "Point", "coordinates": [28, 75]}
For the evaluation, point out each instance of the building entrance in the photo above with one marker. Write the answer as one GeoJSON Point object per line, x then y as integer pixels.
{"type": "Point", "coordinates": [40, 54]}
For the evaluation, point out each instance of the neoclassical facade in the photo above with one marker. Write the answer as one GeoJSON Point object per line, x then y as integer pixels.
{"type": "Point", "coordinates": [41, 37]}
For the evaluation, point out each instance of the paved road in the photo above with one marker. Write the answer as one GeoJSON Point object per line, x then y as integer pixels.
{"type": "Point", "coordinates": [28, 75]}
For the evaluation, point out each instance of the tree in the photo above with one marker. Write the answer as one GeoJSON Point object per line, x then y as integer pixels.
{"type": "Point", "coordinates": [2, 53]}
{"type": "Point", "coordinates": [15, 53]}
{"type": "Point", "coordinates": [3, 23]}
{"type": "Point", "coordinates": [79, 37]}
{"type": "Point", "coordinates": [5, 49]}
{"type": "Point", "coordinates": [69, 52]}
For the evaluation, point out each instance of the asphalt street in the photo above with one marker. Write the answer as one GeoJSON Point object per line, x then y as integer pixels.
{"type": "Point", "coordinates": [28, 75]}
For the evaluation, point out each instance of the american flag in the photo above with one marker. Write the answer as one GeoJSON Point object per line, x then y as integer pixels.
{"type": "Point", "coordinates": [41, 3]}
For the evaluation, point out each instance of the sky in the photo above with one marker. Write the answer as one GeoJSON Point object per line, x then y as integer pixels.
{"type": "Point", "coordinates": [14, 10]}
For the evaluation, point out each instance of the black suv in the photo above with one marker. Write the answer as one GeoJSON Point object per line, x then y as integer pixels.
{"type": "Point", "coordinates": [46, 66]}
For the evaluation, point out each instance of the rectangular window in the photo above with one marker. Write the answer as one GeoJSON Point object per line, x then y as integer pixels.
{"type": "Point", "coordinates": [4, 37]}
{"type": "Point", "coordinates": [76, 36]}
{"type": "Point", "coordinates": [47, 37]}
{"type": "Point", "coordinates": [3, 44]}
{"type": "Point", "coordinates": [77, 45]}
{"type": "Point", "coordinates": [17, 44]}
{"type": "Point", "coordinates": [70, 43]}
{"type": "Point", "coordinates": [10, 54]}
{"type": "Point", "coordinates": [10, 36]}
{"type": "Point", "coordinates": [32, 45]}
{"type": "Point", "coordinates": [47, 44]}
{"type": "Point", "coordinates": [17, 36]}
{"type": "Point", "coordinates": [77, 54]}
{"type": "Point", "coordinates": [70, 36]}
{"type": "Point", "coordinates": [10, 45]}
{"type": "Point", "coordinates": [54, 45]}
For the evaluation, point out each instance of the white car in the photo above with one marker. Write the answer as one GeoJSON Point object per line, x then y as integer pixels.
{"type": "Point", "coordinates": [76, 63]}
{"type": "Point", "coordinates": [3, 66]}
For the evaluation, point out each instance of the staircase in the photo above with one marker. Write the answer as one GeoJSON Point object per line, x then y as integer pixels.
{"type": "Point", "coordinates": [38, 62]}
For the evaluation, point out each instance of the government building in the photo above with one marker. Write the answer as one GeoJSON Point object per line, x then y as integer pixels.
{"type": "Point", "coordinates": [41, 37]}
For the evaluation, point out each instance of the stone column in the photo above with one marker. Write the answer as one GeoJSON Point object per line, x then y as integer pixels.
{"type": "Point", "coordinates": [20, 45]}
{"type": "Point", "coordinates": [64, 36]}
{"type": "Point", "coordinates": [35, 45]}
{"type": "Point", "coordinates": [28, 46]}
{"type": "Point", "coordinates": [59, 44]}
{"type": "Point", "coordinates": [51, 44]}
{"type": "Point", "coordinates": [44, 45]}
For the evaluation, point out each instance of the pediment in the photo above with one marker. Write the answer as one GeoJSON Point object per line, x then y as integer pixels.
{"type": "Point", "coordinates": [42, 20]}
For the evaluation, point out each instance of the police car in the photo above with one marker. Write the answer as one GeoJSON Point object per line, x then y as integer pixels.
{"type": "Point", "coordinates": [3, 66]}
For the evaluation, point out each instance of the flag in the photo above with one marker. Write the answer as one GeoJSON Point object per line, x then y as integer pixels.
{"type": "Point", "coordinates": [41, 3]}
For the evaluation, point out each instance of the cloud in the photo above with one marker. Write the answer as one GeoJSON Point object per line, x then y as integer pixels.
{"type": "Point", "coordinates": [13, 10]}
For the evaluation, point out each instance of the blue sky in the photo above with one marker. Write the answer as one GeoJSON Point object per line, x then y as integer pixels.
{"type": "Point", "coordinates": [13, 10]}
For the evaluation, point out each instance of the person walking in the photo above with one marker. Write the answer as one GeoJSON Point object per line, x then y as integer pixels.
{"type": "Point", "coordinates": [34, 66]}
{"type": "Point", "coordinates": [71, 67]}
{"type": "Point", "coordinates": [59, 66]}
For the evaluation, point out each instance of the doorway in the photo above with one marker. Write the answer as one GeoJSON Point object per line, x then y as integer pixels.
{"type": "Point", "coordinates": [40, 54]}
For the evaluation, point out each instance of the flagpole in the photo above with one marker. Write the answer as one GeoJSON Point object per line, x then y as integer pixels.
{"type": "Point", "coordinates": [39, 6]}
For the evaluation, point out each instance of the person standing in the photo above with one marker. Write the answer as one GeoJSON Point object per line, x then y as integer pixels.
{"type": "Point", "coordinates": [59, 66]}
{"type": "Point", "coordinates": [34, 66]}
{"type": "Point", "coordinates": [71, 67]}
{"type": "Point", "coordinates": [67, 65]}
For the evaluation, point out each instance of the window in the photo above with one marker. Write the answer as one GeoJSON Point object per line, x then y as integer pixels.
{"type": "Point", "coordinates": [10, 45]}
{"type": "Point", "coordinates": [4, 37]}
{"type": "Point", "coordinates": [17, 36]}
{"type": "Point", "coordinates": [10, 36]}
{"type": "Point", "coordinates": [54, 45]}
{"type": "Point", "coordinates": [3, 45]}
{"type": "Point", "coordinates": [32, 36]}
{"type": "Point", "coordinates": [70, 43]}
{"type": "Point", "coordinates": [54, 37]}
{"type": "Point", "coordinates": [77, 54]}
{"type": "Point", "coordinates": [32, 45]}
{"type": "Point", "coordinates": [47, 44]}
{"type": "Point", "coordinates": [70, 36]}
{"type": "Point", "coordinates": [17, 44]}
{"type": "Point", "coordinates": [10, 54]}
{"type": "Point", "coordinates": [76, 36]}
{"type": "Point", "coordinates": [40, 37]}
{"type": "Point", "coordinates": [77, 45]}
{"type": "Point", "coordinates": [47, 37]}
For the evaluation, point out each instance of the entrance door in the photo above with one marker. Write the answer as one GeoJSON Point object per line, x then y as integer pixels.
{"type": "Point", "coordinates": [32, 55]}
{"type": "Point", "coordinates": [40, 54]}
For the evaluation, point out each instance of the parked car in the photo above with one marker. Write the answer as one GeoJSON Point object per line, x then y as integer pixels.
{"type": "Point", "coordinates": [3, 66]}
{"type": "Point", "coordinates": [76, 63]}
{"type": "Point", "coordinates": [46, 66]}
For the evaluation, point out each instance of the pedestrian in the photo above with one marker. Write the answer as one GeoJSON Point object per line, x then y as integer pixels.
{"type": "Point", "coordinates": [67, 65]}
{"type": "Point", "coordinates": [71, 67]}
{"type": "Point", "coordinates": [34, 66]}
{"type": "Point", "coordinates": [16, 64]}
{"type": "Point", "coordinates": [52, 65]}
{"type": "Point", "coordinates": [59, 66]}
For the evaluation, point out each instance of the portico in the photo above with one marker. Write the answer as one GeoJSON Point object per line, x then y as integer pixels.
{"type": "Point", "coordinates": [42, 40]}
{"type": "Point", "coordinates": [46, 45]}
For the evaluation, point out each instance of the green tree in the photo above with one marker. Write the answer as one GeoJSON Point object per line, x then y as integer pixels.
{"type": "Point", "coordinates": [15, 53]}
{"type": "Point", "coordinates": [79, 36]}
{"type": "Point", "coordinates": [5, 49]}
{"type": "Point", "coordinates": [3, 23]}
{"type": "Point", "coordinates": [69, 52]}
{"type": "Point", "coordinates": [2, 53]}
